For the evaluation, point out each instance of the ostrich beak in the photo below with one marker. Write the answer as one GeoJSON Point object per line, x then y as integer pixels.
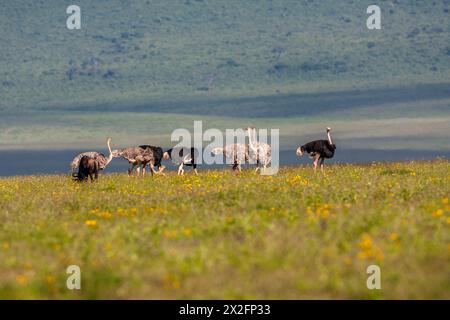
{"type": "Point", "coordinates": [328, 129]}
{"type": "Point", "coordinates": [299, 151]}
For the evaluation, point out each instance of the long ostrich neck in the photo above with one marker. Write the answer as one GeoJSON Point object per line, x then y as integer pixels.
{"type": "Point", "coordinates": [329, 137]}
{"type": "Point", "coordinates": [252, 138]}
{"type": "Point", "coordinates": [110, 157]}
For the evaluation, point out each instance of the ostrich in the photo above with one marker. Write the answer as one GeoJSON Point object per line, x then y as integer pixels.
{"type": "Point", "coordinates": [184, 158]}
{"type": "Point", "coordinates": [88, 168]}
{"type": "Point", "coordinates": [102, 160]}
{"type": "Point", "coordinates": [136, 157]}
{"type": "Point", "coordinates": [261, 151]}
{"type": "Point", "coordinates": [319, 150]}
{"type": "Point", "coordinates": [157, 158]}
{"type": "Point", "coordinates": [238, 152]}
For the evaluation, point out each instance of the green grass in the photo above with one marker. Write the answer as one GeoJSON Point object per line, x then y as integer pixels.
{"type": "Point", "coordinates": [221, 235]}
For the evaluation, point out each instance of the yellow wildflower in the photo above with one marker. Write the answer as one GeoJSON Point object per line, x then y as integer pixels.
{"type": "Point", "coordinates": [170, 233]}
{"type": "Point", "coordinates": [187, 232]}
{"type": "Point", "coordinates": [21, 279]}
{"type": "Point", "coordinates": [366, 242]}
{"type": "Point", "coordinates": [438, 213]}
{"type": "Point", "coordinates": [369, 249]}
{"type": "Point", "coordinates": [393, 236]}
{"type": "Point", "coordinates": [90, 223]}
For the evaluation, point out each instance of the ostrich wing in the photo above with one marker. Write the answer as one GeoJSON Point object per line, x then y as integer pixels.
{"type": "Point", "coordinates": [262, 151]}
{"type": "Point", "coordinates": [136, 154]}
{"type": "Point", "coordinates": [157, 153]}
{"type": "Point", "coordinates": [103, 161]}
{"type": "Point", "coordinates": [236, 150]}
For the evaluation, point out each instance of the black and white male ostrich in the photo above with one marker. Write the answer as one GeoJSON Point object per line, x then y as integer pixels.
{"type": "Point", "coordinates": [102, 160]}
{"type": "Point", "coordinates": [319, 150]}
{"type": "Point", "coordinates": [183, 157]}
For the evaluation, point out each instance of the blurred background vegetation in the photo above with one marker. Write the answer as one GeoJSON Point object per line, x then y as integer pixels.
{"type": "Point", "coordinates": [138, 69]}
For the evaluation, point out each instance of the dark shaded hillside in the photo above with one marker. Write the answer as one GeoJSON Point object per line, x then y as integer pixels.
{"type": "Point", "coordinates": [299, 105]}
{"type": "Point", "coordinates": [134, 51]}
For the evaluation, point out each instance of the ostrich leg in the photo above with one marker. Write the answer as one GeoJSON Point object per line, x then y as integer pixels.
{"type": "Point", "coordinates": [316, 160]}
{"type": "Point", "coordinates": [237, 166]}
{"type": "Point", "coordinates": [258, 163]}
{"type": "Point", "coordinates": [152, 168]}
{"type": "Point", "coordinates": [180, 170]}
{"type": "Point", "coordinates": [131, 169]}
{"type": "Point", "coordinates": [321, 163]}
{"type": "Point", "coordinates": [266, 162]}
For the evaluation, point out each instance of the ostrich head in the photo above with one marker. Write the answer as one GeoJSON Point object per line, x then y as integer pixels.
{"type": "Point", "coordinates": [300, 151]}
{"type": "Point", "coordinates": [112, 153]}
{"type": "Point", "coordinates": [116, 153]}
{"type": "Point", "coordinates": [166, 155]}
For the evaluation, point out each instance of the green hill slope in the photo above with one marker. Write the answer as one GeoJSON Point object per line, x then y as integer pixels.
{"type": "Point", "coordinates": [141, 51]}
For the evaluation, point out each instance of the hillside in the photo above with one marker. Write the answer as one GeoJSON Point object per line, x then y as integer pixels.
{"type": "Point", "coordinates": [139, 69]}
{"type": "Point", "coordinates": [141, 51]}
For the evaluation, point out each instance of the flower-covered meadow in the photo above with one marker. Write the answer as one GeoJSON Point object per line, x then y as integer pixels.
{"type": "Point", "coordinates": [295, 235]}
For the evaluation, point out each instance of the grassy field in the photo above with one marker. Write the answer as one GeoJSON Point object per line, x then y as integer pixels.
{"type": "Point", "coordinates": [221, 235]}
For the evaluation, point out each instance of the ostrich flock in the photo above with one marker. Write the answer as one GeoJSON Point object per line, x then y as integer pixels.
{"type": "Point", "coordinates": [90, 163]}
